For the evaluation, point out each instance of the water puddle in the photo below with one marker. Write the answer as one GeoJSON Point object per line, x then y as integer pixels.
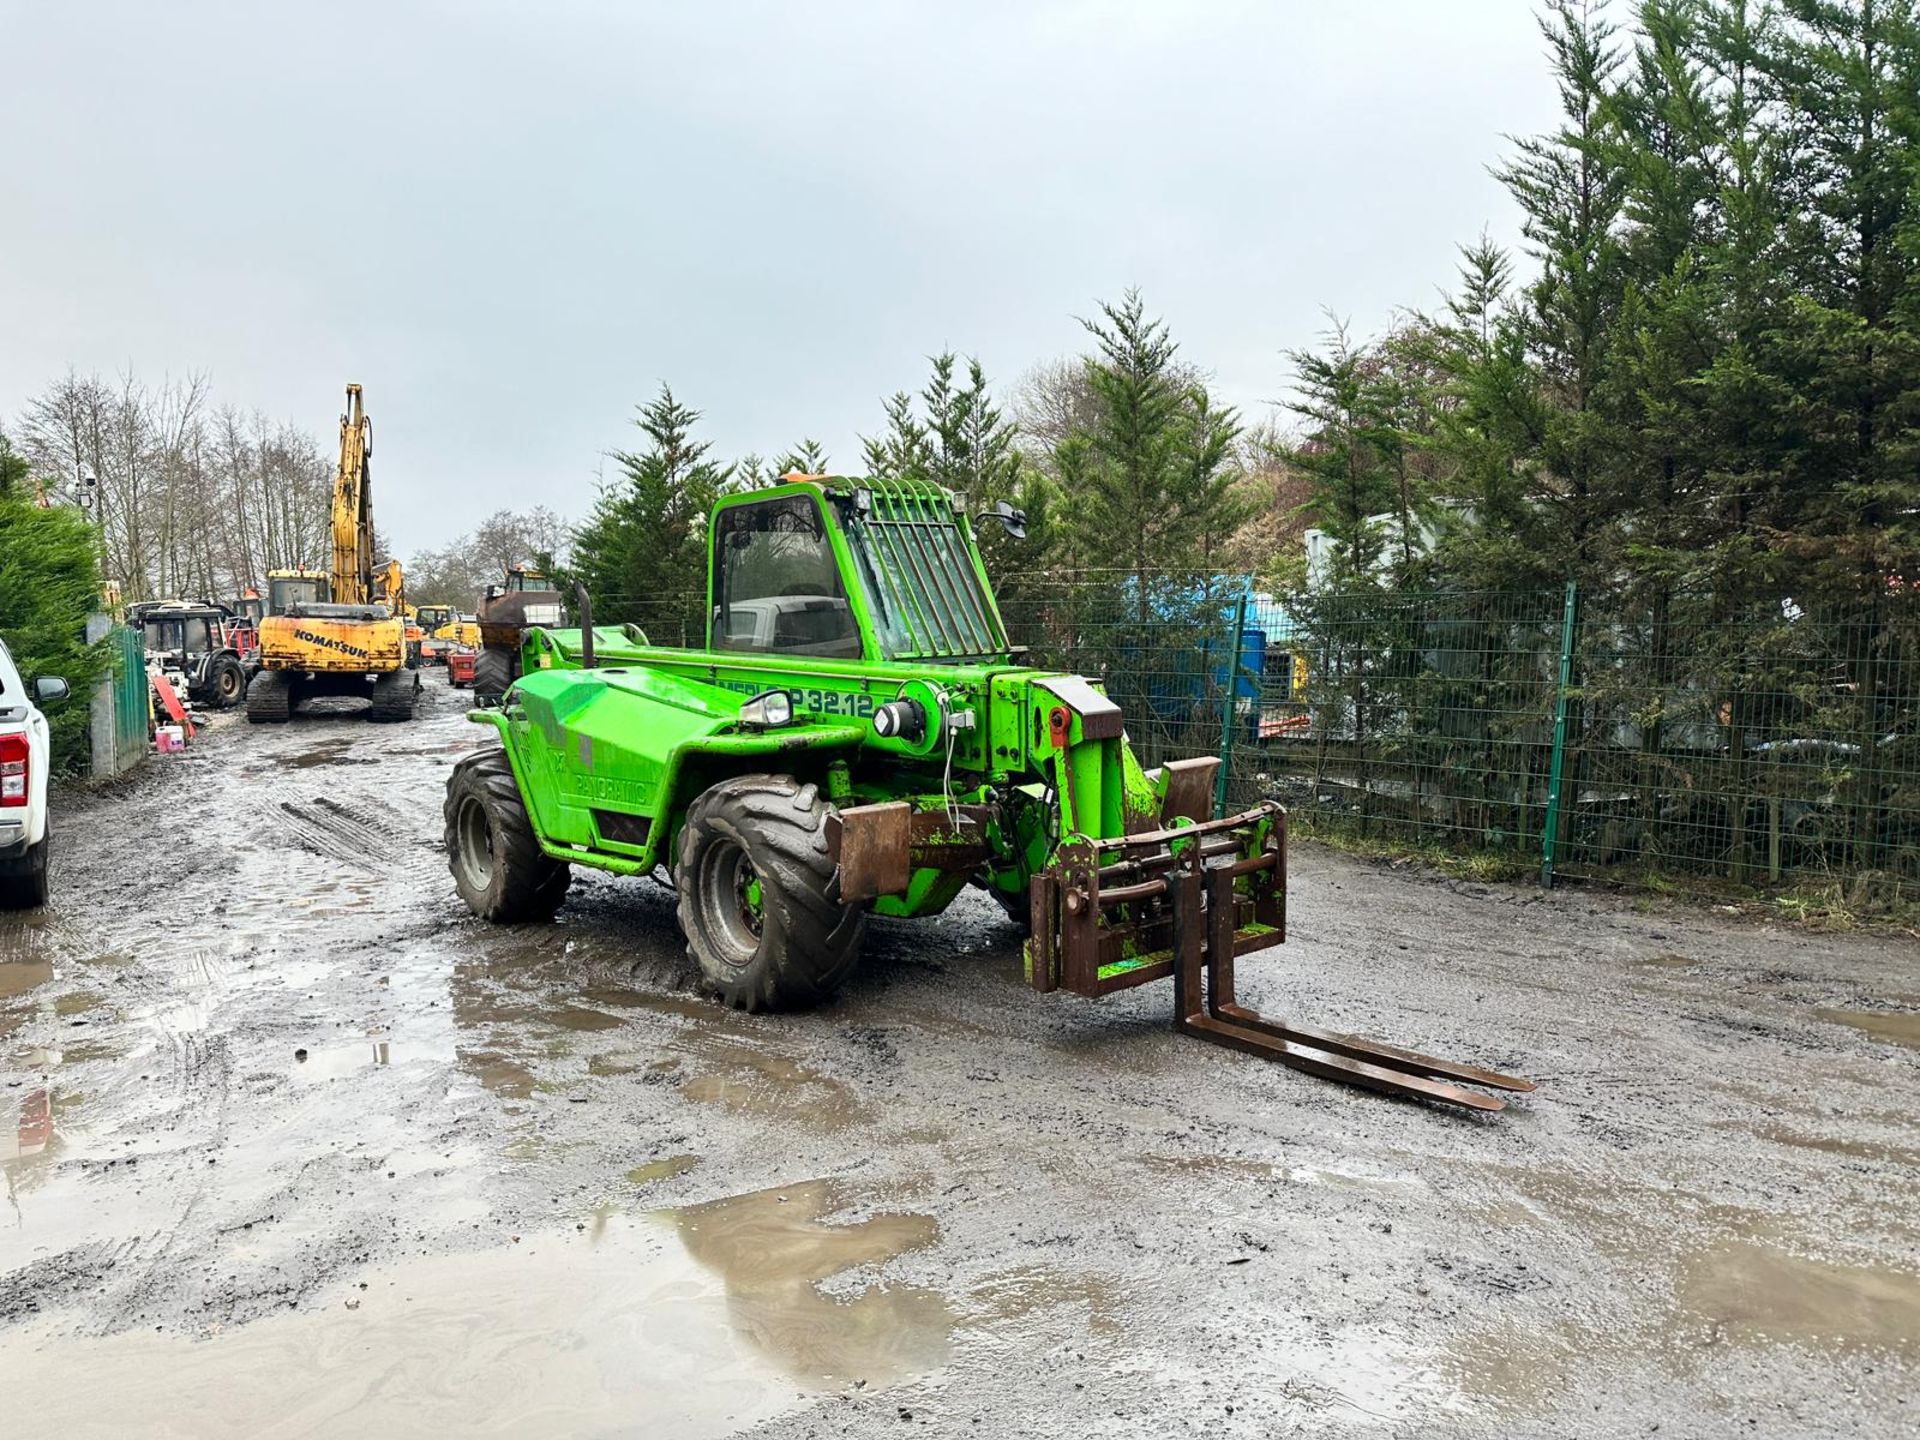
{"type": "Point", "coordinates": [1210, 1166]}
{"type": "Point", "coordinates": [1036, 1290]}
{"type": "Point", "coordinates": [17, 977]}
{"type": "Point", "coordinates": [752, 1082]}
{"type": "Point", "coordinates": [331, 1062]}
{"type": "Point", "coordinates": [620, 1331]}
{"type": "Point", "coordinates": [662, 1169]}
{"type": "Point", "coordinates": [1758, 1293]}
{"type": "Point", "coordinates": [1894, 1027]}
{"type": "Point", "coordinates": [578, 1017]}
{"type": "Point", "coordinates": [78, 1002]}
{"type": "Point", "coordinates": [1827, 1144]}
{"type": "Point", "coordinates": [330, 752]}
{"type": "Point", "coordinates": [772, 1249]}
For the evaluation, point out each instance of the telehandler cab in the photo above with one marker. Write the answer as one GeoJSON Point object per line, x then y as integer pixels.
{"type": "Point", "coordinates": [858, 738]}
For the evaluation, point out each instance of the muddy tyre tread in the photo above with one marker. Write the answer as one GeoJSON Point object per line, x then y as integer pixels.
{"type": "Point", "coordinates": [492, 673]}
{"type": "Point", "coordinates": [269, 698]}
{"type": "Point", "coordinates": [810, 940]}
{"type": "Point", "coordinates": [226, 683]}
{"type": "Point", "coordinates": [524, 882]}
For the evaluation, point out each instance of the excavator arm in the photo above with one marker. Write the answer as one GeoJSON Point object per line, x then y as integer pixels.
{"type": "Point", "coordinates": [353, 578]}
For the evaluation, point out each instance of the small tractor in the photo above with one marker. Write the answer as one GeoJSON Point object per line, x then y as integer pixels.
{"type": "Point", "coordinates": [200, 647]}
{"type": "Point", "coordinates": [338, 633]}
{"type": "Point", "coordinates": [508, 611]}
{"type": "Point", "coordinates": [859, 738]}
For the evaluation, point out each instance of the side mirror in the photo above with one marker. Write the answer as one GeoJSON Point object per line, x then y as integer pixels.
{"type": "Point", "coordinates": [50, 690]}
{"type": "Point", "coordinates": [1014, 520]}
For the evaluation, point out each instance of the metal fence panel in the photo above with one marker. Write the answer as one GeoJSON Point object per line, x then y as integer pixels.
{"type": "Point", "coordinates": [1769, 743]}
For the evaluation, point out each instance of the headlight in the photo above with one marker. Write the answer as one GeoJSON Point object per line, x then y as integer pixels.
{"type": "Point", "coordinates": [906, 719]}
{"type": "Point", "coordinates": [768, 710]}
{"type": "Point", "coordinates": [548, 615]}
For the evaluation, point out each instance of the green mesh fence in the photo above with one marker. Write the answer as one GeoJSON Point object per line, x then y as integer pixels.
{"type": "Point", "coordinates": [1766, 743]}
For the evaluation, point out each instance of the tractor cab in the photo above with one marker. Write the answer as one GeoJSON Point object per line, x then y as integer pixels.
{"type": "Point", "coordinates": [196, 646]}
{"type": "Point", "coordinates": [520, 578]}
{"type": "Point", "coordinates": [876, 570]}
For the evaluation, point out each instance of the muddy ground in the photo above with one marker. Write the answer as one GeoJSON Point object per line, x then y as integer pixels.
{"type": "Point", "coordinates": [302, 1149]}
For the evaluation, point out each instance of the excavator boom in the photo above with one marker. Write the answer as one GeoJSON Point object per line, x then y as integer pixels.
{"type": "Point", "coordinates": [353, 582]}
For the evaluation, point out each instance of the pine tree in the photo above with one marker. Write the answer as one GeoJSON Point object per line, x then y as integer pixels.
{"type": "Point", "coordinates": [1849, 75]}
{"type": "Point", "coordinates": [1572, 191]}
{"type": "Point", "coordinates": [1343, 455]}
{"type": "Point", "coordinates": [642, 553]}
{"type": "Point", "coordinates": [49, 582]}
{"type": "Point", "coordinates": [1156, 488]}
{"type": "Point", "coordinates": [806, 458]}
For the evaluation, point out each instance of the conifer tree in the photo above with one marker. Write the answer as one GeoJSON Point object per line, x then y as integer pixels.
{"type": "Point", "coordinates": [642, 553]}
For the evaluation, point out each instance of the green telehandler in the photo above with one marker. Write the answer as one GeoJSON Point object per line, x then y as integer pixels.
{"type": "Point", "coordinates": [858, 738]}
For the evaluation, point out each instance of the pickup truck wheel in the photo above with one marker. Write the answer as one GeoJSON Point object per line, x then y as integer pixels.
{"type": "Point", "coordinates": [227, 684]}
{"type": "Point", "coordinates": [497, 863]}
{"type": "Point", "coordinates": [760, 898]}
{"type": "Point", "coordinates": [492, 673]}
{"type": "Point", "coordinates": [269, 698]}
{"type": "Point", "coordinates": [28, 889]}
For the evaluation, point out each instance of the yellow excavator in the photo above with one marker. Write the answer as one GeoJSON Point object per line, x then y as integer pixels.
{"type": "Point", "coordinates": [338, 633]}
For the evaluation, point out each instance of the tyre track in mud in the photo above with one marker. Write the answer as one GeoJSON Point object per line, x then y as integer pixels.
{"type": "Point", "coordinates": [302, 1068]}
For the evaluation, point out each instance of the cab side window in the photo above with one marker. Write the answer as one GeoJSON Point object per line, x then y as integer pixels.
{"type": "Point", "coordinates": [779, 589]}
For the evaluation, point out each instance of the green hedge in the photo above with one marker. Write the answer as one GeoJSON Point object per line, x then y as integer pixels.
{"type": "Point", "coordinates": [49, 582]}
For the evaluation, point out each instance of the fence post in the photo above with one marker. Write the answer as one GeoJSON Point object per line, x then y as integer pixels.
{"type": "Point", "coordinates": [1234, 642]}
{"type": "Point", "coordinates": [1557, 772]}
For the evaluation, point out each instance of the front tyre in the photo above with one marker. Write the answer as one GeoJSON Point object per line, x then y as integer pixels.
{"type": "Point", "coordinates": [760, 897]}
{"type": "Point", "coordinates": [227, 683]}
{"type": "Point", "coordinates": [497, 863]}
{"type": "Point", "coordinates": [493, 673]}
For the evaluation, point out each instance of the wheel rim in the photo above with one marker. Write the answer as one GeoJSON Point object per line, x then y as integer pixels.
{"type": "Point", "coordinates": [229, 684]}
{"type": "Point", "coordinates": [733, 901]}
{"type": "Point", "coordinates": [474, 837]}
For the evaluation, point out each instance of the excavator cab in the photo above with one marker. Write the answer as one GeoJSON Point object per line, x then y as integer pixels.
{"type": "Point", "coordinates": [288, 589]}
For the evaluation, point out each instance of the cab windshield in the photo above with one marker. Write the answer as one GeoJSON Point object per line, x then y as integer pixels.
{"type": "Point", "coordinates": [919, 579]}
{"type": "Point", "coordinates": [296, 590]}
{"type": "Point", "coordinates": [779, 586]}
{"type": "Point", "coordinates": [189, 633]}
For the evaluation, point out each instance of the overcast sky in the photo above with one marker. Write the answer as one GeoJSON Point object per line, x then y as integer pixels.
{"type": "Point", "coordinates": [511, 222]}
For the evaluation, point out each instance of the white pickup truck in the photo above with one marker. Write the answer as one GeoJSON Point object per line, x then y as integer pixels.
{"type": "Point", "coordinates": [24, 755]}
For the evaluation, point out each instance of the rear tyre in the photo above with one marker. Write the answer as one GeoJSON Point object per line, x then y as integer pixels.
{"type": "Point", "coordinates": [269, 698]}
{"type": "Point", "coordinates": [497, 863]}
{"type": "Point", "coordinates": [492, 673]}
{"type": "Point", "coordinates": [27, 890]}
{"type": "Point", "coordinates": [395, 696]}
{"type": "Point", "coordinates": [760, 897]}
{"type": "Point", "coordinates": [226, 683]}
